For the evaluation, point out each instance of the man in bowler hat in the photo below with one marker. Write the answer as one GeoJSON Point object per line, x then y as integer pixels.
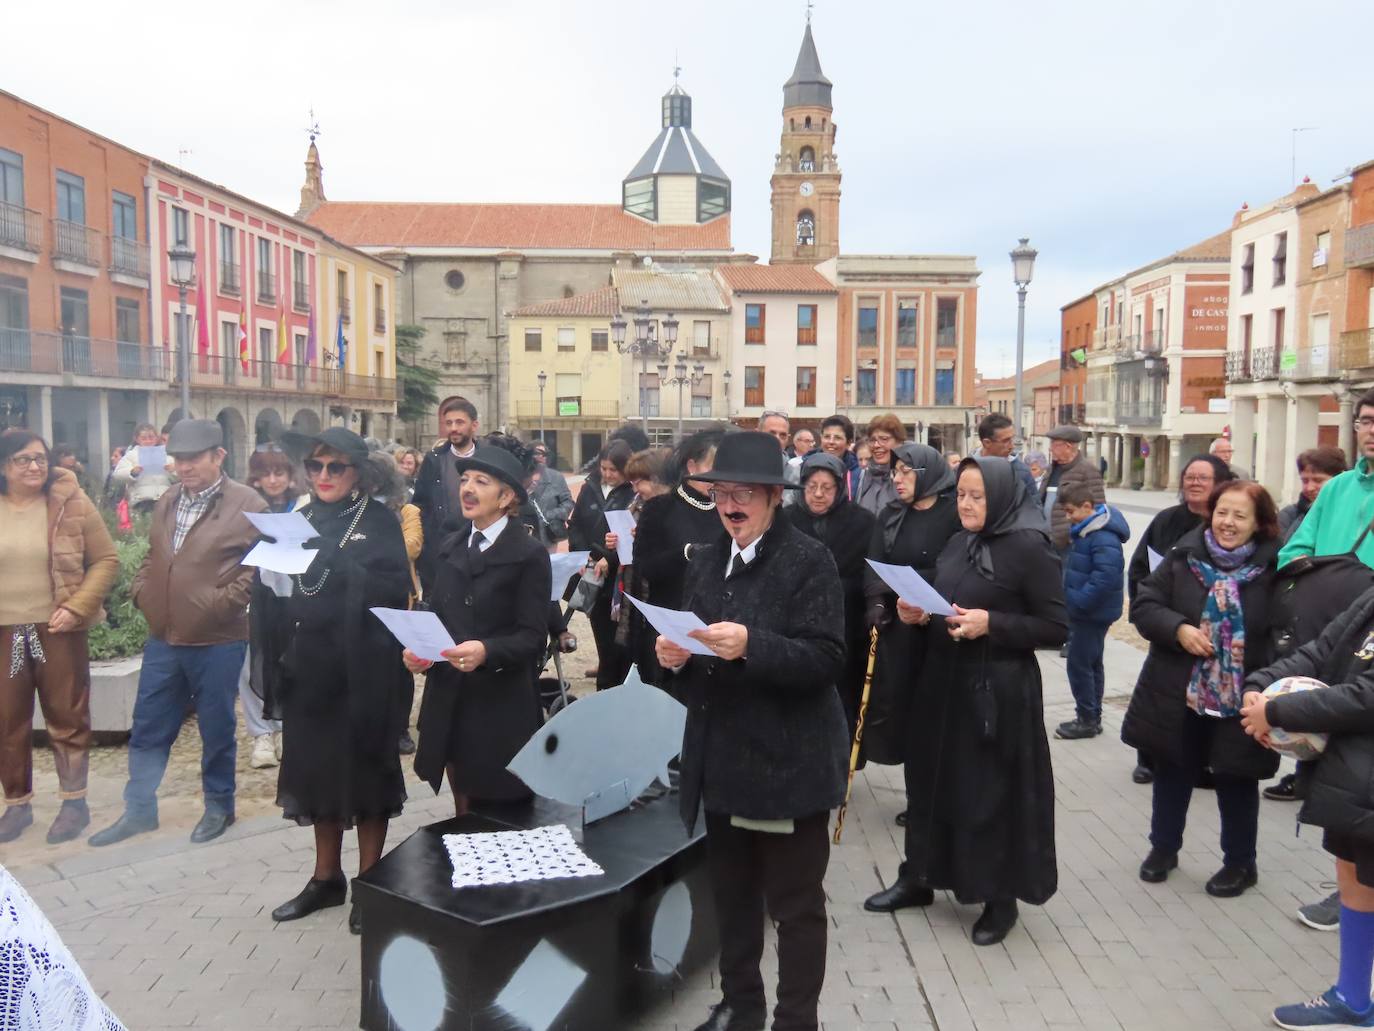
{"type": "Point", "coordinates": [765, 747]}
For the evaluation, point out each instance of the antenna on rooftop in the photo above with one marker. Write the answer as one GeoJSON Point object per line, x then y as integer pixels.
{"type": "Point", "coordinates": [1293, 170]}
{"type": "Point", "coordinates": [183, 153]}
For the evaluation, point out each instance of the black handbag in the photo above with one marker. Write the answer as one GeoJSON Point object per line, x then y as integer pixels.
{"type": "Point", "coordinates": [1312, 591]}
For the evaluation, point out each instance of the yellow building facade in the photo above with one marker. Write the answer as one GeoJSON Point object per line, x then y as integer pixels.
{"type": "Point", "coordinates": [357, 295]}
{"type": "Point", "coordinates": [568, 342]}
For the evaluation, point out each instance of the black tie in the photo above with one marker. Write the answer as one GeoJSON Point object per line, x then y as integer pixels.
{"type": "Point", "coordinates": [477, 540]}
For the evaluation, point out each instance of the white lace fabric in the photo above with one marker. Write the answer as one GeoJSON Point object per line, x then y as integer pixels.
{"type": "Point", "coordinates": [41, 986]}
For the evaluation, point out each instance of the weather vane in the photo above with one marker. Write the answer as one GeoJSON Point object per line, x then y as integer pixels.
{"type": "Point", "coordinates": [809, 5]}
{"type": "Point", "coordinates": [314, 129]}
{"type": "Point", "coordinates": [677, 68]}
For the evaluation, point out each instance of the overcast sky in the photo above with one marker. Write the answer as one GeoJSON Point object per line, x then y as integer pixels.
{"type": "Point", "coordinates": [1109, 133]}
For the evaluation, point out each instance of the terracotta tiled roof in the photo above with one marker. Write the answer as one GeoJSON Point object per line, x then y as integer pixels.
{"type": "Point", "coordinates": [512, 226]}
{"type": "Point", "coordinates": [1211, 249]}
{"type": "Point", "coordinates": [1043, 374]}
{"type": "Point", "coordinates": [775, 279]}
{"type": "Point", "coordinates": [603, 302]}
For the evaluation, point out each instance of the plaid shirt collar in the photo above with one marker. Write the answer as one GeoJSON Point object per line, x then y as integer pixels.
{"type": "Point", "coordinates": [190, 507]}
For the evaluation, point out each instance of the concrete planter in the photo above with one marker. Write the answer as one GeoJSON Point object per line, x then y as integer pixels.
{"type": "Point", "coordinates": [114, 686]}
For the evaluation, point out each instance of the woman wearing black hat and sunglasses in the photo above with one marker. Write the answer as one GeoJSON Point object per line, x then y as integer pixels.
{"type": "Point", "coordinates": [491, 590]}
{"type": "Point", "coordinates": [339, 675]}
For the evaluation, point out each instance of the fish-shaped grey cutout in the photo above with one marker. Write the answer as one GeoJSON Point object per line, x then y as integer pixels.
{"type": "Point", "coordinates": [612, 743]}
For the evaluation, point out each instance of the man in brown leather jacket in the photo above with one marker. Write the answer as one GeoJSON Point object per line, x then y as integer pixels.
{"type": "Point", "coordinates": [193, 590]}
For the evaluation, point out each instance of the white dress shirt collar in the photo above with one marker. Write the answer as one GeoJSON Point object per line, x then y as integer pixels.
{"type": "Point", "coordinates": [490, 534]}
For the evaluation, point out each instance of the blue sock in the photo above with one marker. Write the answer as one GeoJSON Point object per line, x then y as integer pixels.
{"type": "Point", "coordinates": [1357, 958]}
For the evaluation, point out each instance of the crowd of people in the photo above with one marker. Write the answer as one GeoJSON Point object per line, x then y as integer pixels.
{"type": "Point", "coordinates": [766, 536]}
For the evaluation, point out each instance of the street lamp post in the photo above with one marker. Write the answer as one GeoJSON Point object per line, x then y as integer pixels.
{"type": "Point", "coordinates": [645, 345]}
{"type": "Point", "coordinates": [681, 378]}
{"type": "Point", "coordinates": [182, 262]}
{"type": "Point", "coordinates": [543, 378]}
{"type": "Point", "coordinates": [1022, 264]}
{"type": "Point", "coordinates": [726, 376]}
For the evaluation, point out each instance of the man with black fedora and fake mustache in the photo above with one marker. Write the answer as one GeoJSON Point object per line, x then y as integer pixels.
{"type": "Point", "coordinates": [765, 749]}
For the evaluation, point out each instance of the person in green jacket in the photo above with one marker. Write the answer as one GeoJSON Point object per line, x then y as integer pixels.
{"type": "Point", "coordinates": [1345, 506]}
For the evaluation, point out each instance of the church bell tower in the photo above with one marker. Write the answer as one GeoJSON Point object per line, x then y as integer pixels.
{"type": "Point", "coordinates": [806, 177]}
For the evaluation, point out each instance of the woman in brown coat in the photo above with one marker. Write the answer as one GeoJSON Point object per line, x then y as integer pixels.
{"type": "Point", "coordinates": [59, 564]}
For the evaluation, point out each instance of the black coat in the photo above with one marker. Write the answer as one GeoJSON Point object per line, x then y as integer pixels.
{"type": "Point", "coordinates": [765, 736]}
{"type": "Point", "coordinates": [436, 518]}
{"type": "Point", "coordinates": [1166, 529]}
{"type": "Point", "coordinates": [478, 720]}
{"type": "Point", "coordinates": [1168, 598]}
{"type": "Point", "coordinates": [666, 524]}
{"type": "Point", "coordinates": [846, 531]}
{"type": "Point", "coordinates": [1339, 792]}
{"type": "Point", "coordinates": [587, 527]}
{"type": "Point", "coordinates": [901, 536]}
{"type": "Point", "coordinates": [981, 807]}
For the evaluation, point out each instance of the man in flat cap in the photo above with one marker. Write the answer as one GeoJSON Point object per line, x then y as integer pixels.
{"type": "Point", "coordinates": [765, 748]}
{"type": "Point", "coordinates": [1068, 466]}
{"type": "Point", "coordinates": [193, 589]}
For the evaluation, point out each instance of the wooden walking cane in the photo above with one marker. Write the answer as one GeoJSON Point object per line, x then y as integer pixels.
{"type": "Point", "coordinates": [858, 731]}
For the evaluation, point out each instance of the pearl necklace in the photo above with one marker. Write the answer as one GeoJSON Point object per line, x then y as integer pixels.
{"type": "Point", "coordinates": [704, 506]}
{"type": "Point", "coordinates": [357, 511]}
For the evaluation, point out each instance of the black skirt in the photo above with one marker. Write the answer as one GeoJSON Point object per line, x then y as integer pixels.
{"type": "Point", "coordinates": [325, 777]}
{"type": "Point", "coordinates": [1353, 850]}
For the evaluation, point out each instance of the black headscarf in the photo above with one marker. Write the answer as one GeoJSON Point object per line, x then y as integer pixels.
{"type": "Point", "coordinates": [933, 476]}
{"type": "Point", "coordinates": [1010, 507]}
{"type": "Point", "coordinates": [820, 461]}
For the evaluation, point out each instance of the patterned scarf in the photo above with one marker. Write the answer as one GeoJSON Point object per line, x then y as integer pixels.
{"type": "Point", "coordinates": [1214, 689]}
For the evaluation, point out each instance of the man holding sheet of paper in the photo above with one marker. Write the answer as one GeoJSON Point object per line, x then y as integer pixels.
{"type": "Point", "coordinates": [765, 749]}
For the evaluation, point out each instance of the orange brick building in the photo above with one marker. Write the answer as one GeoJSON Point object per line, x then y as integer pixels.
{"type": "Point", "coordinates": [1077, 321]}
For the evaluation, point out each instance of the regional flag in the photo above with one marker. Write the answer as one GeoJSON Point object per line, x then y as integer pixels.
{"type": "Point", "coordinates": [1079, 355]}
{"type": "Point", "coordinates": [243, 337]}
{"type": "Point", "coordinates": [283, 348]}
{"type": "Point", "coordinates": [340, 343]}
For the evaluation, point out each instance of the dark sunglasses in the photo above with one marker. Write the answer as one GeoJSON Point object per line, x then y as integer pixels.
{"type": "Point", "coordinates": [313, 467]}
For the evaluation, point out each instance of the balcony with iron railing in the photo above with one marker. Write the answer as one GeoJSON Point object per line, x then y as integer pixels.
{"type": "Point", "coordinates": [267, 287]}
{"type": "Point", "coordinates": [287, 378]}
{"type": "Point", "coordinates": [129, 258]}
{"type": "Point", "coordinates": [1259, 363]}
{"type": "Point", "coordinates": [76, 243]}
{"type": "Point", "coordinates": [45, 353]}
{"type": "Point", "coordinates": [21, 228]}
{"type": "Point", "coordinates": [300, 296]}
{"type": "Point", "coordinates": [593, 409]}
{"type": "Point", "coordinates": [1308, 364]}
{"type": "Point", "coordinates": [1106, 337]}
{"type": "Point", "coordinates": [1137, 344]}
{"type": "Point", "coordinates": [230, 278]}
{"type": "Point", "coordinates": [1357, 348]}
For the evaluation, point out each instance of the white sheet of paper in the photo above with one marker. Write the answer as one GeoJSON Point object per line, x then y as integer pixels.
{"type": "Point", "coordinates": [1155, 557]}
{"type": "Point", "coordinates": [912, 588]}
{"type": "Point", "coordinates": [565, 564]}
{"type": "Point", "coordinates": [621, 523]}
{"type": "Point", "coordinates": [674, 625]}
{"type": "Point", "coordinates": [153, 458]}
{"type": "Point", "coordinates": [290, 530]}
{"type": "Point", "coordinates": [422, 632]}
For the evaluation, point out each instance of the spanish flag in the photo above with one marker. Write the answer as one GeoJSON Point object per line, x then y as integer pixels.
{"type": "Point", "coordinates": [243, 337]}
{"type": "Point", "coordinates": [283, 348]}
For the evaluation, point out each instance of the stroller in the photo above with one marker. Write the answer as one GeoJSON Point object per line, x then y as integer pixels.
{"type": "Point", "coordinates": [553, 691]}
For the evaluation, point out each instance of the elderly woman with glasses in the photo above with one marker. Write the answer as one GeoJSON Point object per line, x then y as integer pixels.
{"type": "Point", "coordinates": [876, 488]}
{"type": "Point", "coordinates": [339, 676]}
{"type": "Point", "coordinates": [59, 563]}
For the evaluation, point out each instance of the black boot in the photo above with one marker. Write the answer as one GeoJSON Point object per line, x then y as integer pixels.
{"type": "Point", "coordinates": [1078, 728]}
{"type": "Point", "coordinates": [314, 896]}
{"type": "Point", "coordinates": [1230, 881]}
{"type": "Point", "coordinates": [903, 894]}
{"type": "Point", "coordinates": [725, 1017]}
{"type": "Point", "coordinates": [1157, 865]}
{"type": "Point", "coordinates": [996, 922]}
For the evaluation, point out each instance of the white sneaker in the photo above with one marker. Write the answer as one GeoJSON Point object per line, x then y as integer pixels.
{"type": "Point", "coordinates": [264, 755]}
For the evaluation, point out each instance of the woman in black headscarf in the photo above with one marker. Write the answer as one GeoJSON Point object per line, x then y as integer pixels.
{"type": "Point", "coordinates": [981, 793]}
{"type": "Point", "coordinates": [827, 514]}
{"type": "Point", "coordinates": [910, 531]}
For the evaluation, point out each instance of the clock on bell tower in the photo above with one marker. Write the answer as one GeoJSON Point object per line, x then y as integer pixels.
{"type": "Point", "coordinates": [806, 177]}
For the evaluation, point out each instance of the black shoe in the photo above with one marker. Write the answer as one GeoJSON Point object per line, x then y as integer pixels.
{"type": "Point", "coordinates": [1078, 728]}
{"type": "Point", "coordinates": [315, 895]}
{"type": "Point", "coordinates": [996, 922]}
{"type": "Point", "coordinates": [1142, 774]}
{"type": "Point", "coordinates": [725, 1017]}
{"type": "Point", "coordinates": [17, 819]}
{"type": "Point", "coordinates": [1157, 865]}
{"type": "Point", "coordinates": [125, 827]}
{"type": "Point", "coordinates": [211, 826]}
{"type": "Point", "coordinates": [1286, 790]}
{"type": "Point", "coordinates": [900, 819]}
{"type": "Point", "coordinates": [902, 895]}
{"type": "Point", "coordinates": [406, 746]}
{"type": "Point", "coordinates": [355, 920]}
{"type": "Point", "coordinates": [1230, 881]}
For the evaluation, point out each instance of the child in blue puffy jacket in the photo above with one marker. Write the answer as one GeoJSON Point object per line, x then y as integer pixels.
{"type": "Point", "coordinates": [1094, 585]}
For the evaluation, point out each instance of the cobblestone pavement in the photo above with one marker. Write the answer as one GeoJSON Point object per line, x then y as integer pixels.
{"type": "Point", "coordinates": [175, 935]}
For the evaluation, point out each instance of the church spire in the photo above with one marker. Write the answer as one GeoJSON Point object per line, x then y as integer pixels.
{"type": "Point", "coordinates": [312, 192]}
{"type": "Point", "coordinates": [808, 86]}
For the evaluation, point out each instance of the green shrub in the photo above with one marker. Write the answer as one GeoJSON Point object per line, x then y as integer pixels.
{"type": "Point", "coordinates": [124, 630]}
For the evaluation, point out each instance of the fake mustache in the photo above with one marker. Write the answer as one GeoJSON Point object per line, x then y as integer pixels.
{"type": "Point", "coordinates": [736, 517]}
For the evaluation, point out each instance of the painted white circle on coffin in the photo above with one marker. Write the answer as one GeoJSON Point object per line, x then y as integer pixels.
{"type": "Point", "coordinates": [672, 928]}
{"type": "Point", "coordinates": [412, 985]}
